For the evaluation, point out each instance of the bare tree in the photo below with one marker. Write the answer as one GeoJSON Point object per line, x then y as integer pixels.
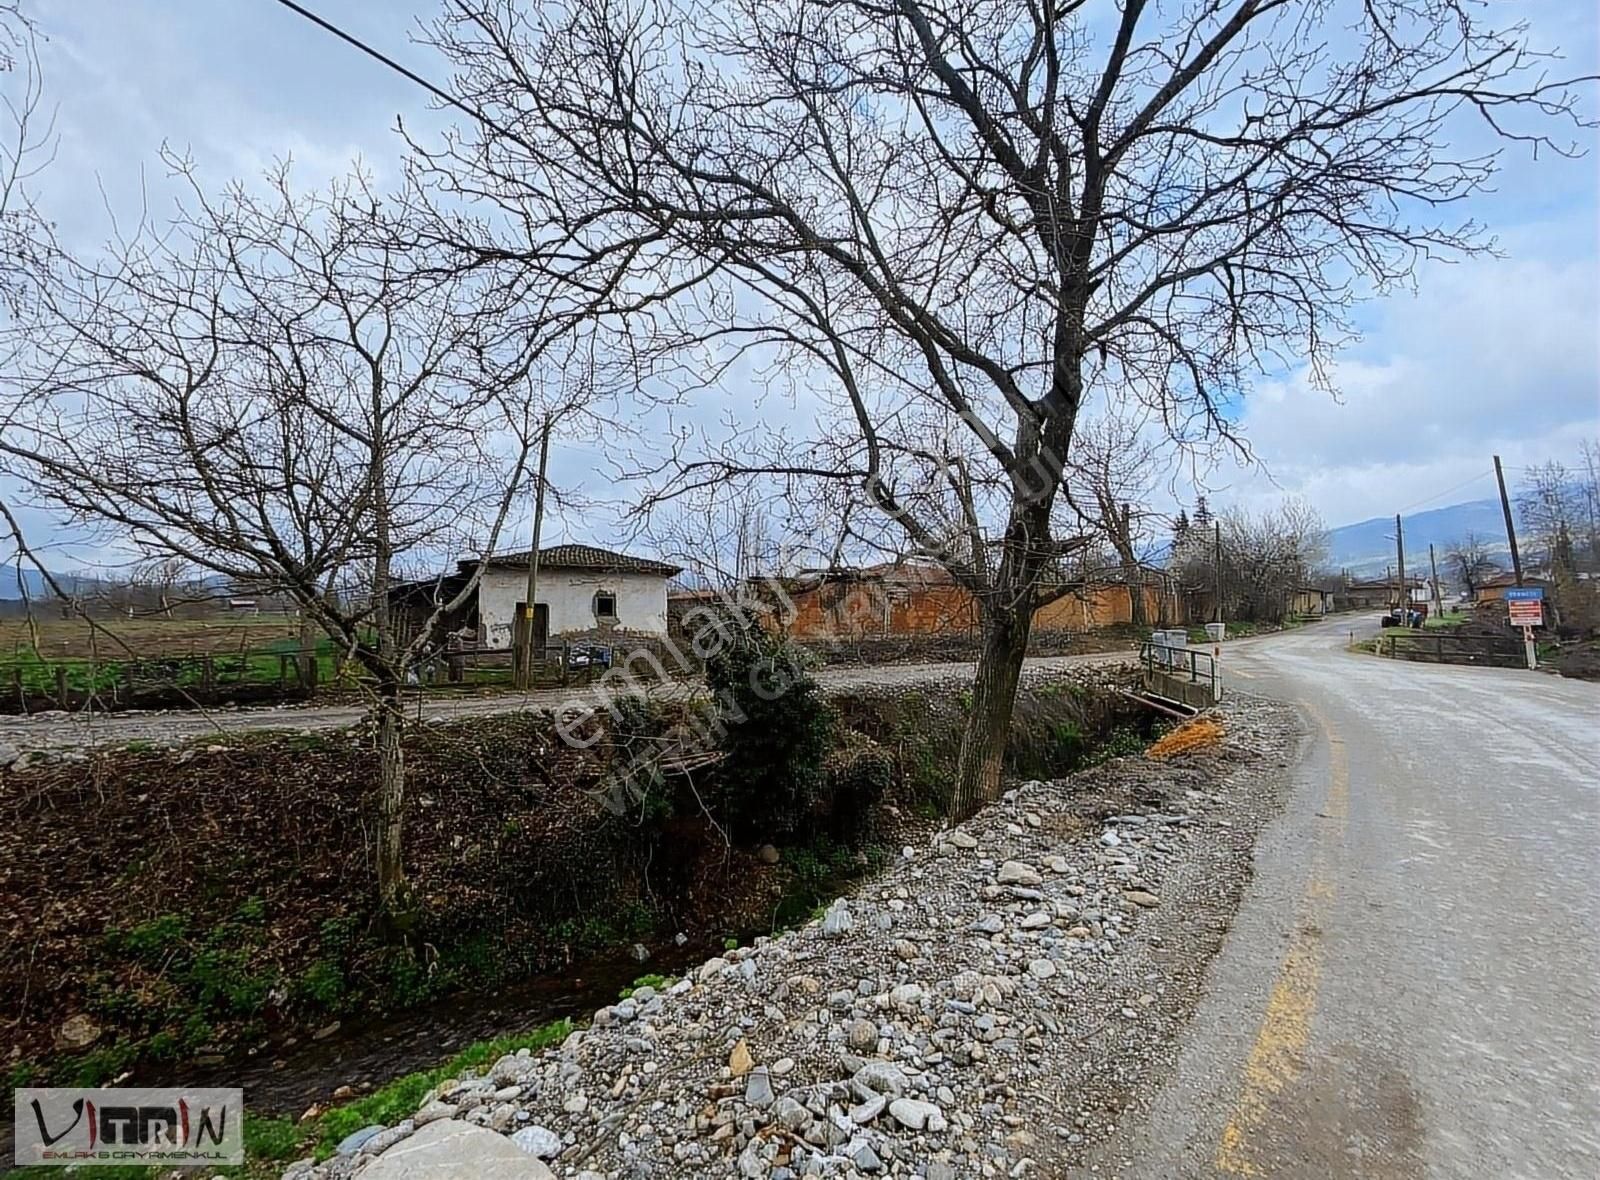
{"type": "Point", "coordinates": [1116, 465]}
{"type": "Point", "coordinates": [1469, 560]}
{"type": "Point", "coordinates": [723, 541]}
{"type": "Point", "coordinates": [26, 147]}
{"type": "Point", "coordinates": [1549, 502]}
{"type": "Point", "coordinates": [168, 580]}
{"type": "Point", "coordinates": [286, 391]}
{"type": "Point", "coordinates": [1589, 494]}
{"type": "Point", "coordinates": [942, 221]}
{"type": "Point", "coordinates": [1267, 557]}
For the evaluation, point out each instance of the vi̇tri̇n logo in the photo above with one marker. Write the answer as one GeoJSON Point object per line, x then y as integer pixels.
{"type": "Point", "coordinates": [129, 1125]}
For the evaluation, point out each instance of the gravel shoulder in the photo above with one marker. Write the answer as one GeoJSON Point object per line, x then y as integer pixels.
{"type": "Point", "coordinates": [62, 731]}
{"type": "Point", "coordinates": [992, 1005]}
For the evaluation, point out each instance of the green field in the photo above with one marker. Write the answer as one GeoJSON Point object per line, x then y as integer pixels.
{"type": "Point", "coordinates": [140, 654]}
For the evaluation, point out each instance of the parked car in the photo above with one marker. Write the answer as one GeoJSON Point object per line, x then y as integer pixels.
{"type": "Point", "coordinates": [589, 657]}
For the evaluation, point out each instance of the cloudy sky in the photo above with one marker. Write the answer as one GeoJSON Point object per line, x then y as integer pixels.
{"type": "Point", "coordinates": [1492, 355]}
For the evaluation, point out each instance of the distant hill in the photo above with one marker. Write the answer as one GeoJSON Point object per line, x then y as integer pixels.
{"type": "Point", "coordinates": [1366, 548]}
{"type": "Point", "coordinates": [14, 582]}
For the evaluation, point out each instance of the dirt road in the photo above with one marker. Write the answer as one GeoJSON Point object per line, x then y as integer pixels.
{"type": "Point", "coordinates": [65, 731]}
{"type": "Point", "coordinates": [1412, 985]}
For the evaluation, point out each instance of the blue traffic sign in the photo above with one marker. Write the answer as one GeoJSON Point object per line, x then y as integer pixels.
{"type": "Point", "coordinates": [1525, 594]}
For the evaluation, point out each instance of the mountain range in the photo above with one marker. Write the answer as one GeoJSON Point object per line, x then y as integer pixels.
{"type": "Point", "coordinates": [1367, 547]}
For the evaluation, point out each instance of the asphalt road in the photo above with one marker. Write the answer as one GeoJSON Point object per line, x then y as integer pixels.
{"type": "Point", "coordinates": [1412, 985]}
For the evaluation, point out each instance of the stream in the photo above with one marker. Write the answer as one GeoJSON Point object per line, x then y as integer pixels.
{"type": "Point", "coordinates": [285, 1079]}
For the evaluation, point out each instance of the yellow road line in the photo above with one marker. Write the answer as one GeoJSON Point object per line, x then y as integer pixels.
{"type": "Point", "coordinates": [1277, 1057]}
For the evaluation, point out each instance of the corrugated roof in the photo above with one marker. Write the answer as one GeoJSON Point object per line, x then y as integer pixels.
{"type": "Point", "coordinates": [587, 557]}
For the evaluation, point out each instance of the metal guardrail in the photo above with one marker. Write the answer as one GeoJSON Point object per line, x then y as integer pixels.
{"type": "Point", "coordinates": [1176, 667]}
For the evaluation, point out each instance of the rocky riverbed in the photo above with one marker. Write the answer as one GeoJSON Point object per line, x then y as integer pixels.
{"type": "Point", "coordinates": [987, 1007]}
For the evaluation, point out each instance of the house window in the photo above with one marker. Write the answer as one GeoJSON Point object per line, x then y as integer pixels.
{"type": "Point", "coordinates": [605, 606]}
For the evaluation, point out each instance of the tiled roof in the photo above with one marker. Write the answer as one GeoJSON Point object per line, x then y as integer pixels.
{"type": "Point", "coordinates": [588, 557]}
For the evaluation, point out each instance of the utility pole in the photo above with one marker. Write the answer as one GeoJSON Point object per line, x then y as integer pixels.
{"type": "Point", "coordinates": [525, 625]}
{"type": "Point", "coordinates": [1511, 529]}
{"type": "Point", "coordinates": [1400, 557]}
{"type": "Point", "coordinates": [1216, 561]}
{"type": "Point", "coordinates": [1438, 598]}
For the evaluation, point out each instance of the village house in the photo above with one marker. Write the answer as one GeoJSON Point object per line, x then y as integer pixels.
{"type": "Point", "coordinates": [919, 598]}
{"type": "Point", "coordinates": [1494, 589]}
{"type": "Point", "coordinates": [584, 592]}
{"type": "Point", "coordinates": [1378, 593]}
{"type": "Point", "coordinates": [1308, 601]}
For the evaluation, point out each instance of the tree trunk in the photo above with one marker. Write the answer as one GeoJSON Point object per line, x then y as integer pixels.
{"type": "Point", "coordinates": [994, 694]}
{"type": "Point", "coordinates": [307, 657]}
{"type": "Point", "coordinates": [1133, 576]}
{"type": "Point", "coordinates": [392, 899]}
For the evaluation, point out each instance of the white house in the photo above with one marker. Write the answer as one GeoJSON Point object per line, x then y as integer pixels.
{"type": "Point", "coordinates": [583, 592]}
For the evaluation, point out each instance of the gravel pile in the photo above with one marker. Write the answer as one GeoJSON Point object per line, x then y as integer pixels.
{"type": "Point", "coordinates": [987, 1007]}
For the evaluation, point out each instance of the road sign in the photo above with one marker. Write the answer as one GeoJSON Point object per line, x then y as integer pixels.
{"type": "Point", "coordinates": [1525, 605]}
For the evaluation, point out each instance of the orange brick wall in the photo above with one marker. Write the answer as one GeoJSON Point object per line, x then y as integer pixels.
{"type": "Point", "coordinates": [861, 610]}
{"type": "Point", "coordinates": [1104, 606]}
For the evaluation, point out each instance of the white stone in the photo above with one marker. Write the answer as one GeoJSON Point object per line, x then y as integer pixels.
{"type": "Point", "coordinates": [451, 1149]}
{"type": "Point", "coordinates": [538, 1141]}
{"type": "Point", "coordinates": [837, 920]}
{"type": "Point", "coordinates": [907, 997]}
{"type": "Point", "coordinates": [916, 1114]}
{"type": "Point", "coordinates": [1014, 872]}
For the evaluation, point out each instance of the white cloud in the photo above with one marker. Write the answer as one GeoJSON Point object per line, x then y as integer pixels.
{"type": "Point", "coordinates": [1491, 356]}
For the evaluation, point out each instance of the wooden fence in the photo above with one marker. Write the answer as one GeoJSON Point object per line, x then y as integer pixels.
{"type": "Point", "coordinates": [33, 685]}
{"type": "Point", "coordinates": [1444, 646]}
{"type": "Point", "coordinates": [156, 682]}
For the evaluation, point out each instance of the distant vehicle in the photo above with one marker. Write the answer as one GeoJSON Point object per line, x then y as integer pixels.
{"type": "Point", "coordinates": [589, 657]}
{"type": "Point", "coordinates": [1411, 616]}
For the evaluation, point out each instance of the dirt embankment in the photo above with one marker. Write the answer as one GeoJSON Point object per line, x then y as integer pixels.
{"type": "Point", "coordinates": [992, 1004]}
{"type": "Point", "coordinates": [175, 904]}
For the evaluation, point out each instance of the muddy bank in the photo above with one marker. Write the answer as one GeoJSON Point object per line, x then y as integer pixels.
{"type": "Point", "coordinates": [991, 1004]}
{"type": "Point", "coordinates": [210, 907]}
{"type": "Point", "coordinates": [287, 1078]}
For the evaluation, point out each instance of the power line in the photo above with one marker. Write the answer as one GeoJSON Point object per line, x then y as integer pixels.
{"type": "Point", "coordinates": [1454, 488]}
{"type": "Point", "coordinates": [403, 71]}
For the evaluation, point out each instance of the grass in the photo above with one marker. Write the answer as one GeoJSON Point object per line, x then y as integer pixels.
{"type": "Point", "coordinates": [400, 1098]}
{"type": "Point", "coordinates": [659, 982]}
{"type": "Point", "coordinates": [1450, 618]}
{"type": "Point", "coordinates": [269, 1143]}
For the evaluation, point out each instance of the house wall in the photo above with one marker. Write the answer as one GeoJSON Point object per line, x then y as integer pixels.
{"type": "Point", "coordinates": [1103, 606]}
{"type": "Point", "coordinates": [872, 609]}
{"type": "Point", "coordinates": [569, 594]}
{"type": "Point", "coordinates": [1308, 602]}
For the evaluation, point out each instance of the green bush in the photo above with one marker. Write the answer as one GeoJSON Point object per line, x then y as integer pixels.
{"type": "Point", "coordinates": [859, 774]}
{"type": "Point", "coordinates": [639, 734]}
{"type": "Point", "coordinates": [776, 729]}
